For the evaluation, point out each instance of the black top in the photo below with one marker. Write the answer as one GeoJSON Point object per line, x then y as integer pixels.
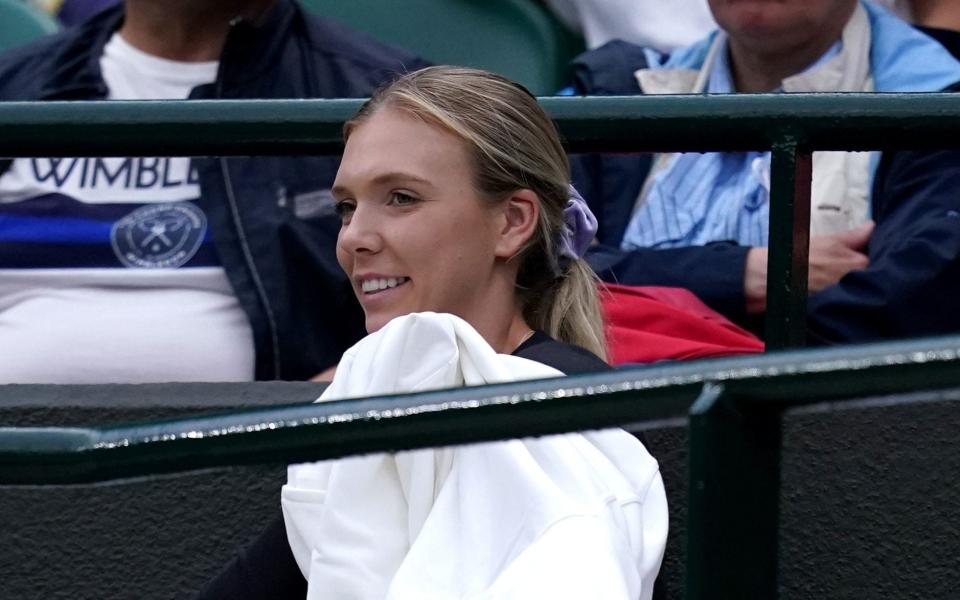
{"type": "Point", "coordinates": [266, 569]}
{"type": "Point", "coordinates": [566, 358]}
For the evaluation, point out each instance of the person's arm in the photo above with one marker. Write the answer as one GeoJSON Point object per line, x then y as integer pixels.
{"type": "Point", "coordinates": [715, 272]}
{"type": "Point", "coordinates": [831, 257]}
{"type": "Point", "coordinates": [912, 283]}
{"type": "Point", "coordinates": [264, 570]}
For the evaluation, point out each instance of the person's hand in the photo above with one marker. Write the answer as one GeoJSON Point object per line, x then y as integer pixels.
{"type": "Point", "coordinates": [831, 257]}
{"type": "Point", "coordinates": [755, 280]}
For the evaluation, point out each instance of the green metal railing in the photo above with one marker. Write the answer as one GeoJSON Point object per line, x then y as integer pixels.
{"type": "Point", "coordinates": [735, 406]}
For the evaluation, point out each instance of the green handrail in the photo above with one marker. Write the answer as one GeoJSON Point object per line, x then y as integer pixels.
{"type": "Point", "coordinates": [398, 422]}
{"type": "Point", "coordinates": [588, 124]}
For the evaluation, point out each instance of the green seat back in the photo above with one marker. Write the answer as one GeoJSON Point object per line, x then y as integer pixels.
{"type": "Point", "coordinates": [20, 23]}
{"type": "Point", "coordinates": [516, 38]}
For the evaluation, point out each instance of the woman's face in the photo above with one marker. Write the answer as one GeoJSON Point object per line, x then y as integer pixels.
{"type": "Point", "coordinates": [415, 234]}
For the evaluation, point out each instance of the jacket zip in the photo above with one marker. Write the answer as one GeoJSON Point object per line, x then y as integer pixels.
{"type": "Point", "coordinates": [242, 235]}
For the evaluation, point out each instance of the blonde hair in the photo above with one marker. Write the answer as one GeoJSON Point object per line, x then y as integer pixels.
{"type": "Point", "coordinates": [514, 146]}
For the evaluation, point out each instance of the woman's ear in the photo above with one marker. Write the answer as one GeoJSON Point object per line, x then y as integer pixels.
{"type": "Point", "coordinates": [521, 213]}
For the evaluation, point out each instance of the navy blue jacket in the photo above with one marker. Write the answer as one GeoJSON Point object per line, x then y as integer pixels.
{"type": "Point", "coordinates": [910, 288]}
{"type": "Point", "coordinates": [276, 245]}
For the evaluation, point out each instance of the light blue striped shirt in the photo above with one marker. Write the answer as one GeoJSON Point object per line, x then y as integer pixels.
{"type": "Point", "coordinates": [703, 198]}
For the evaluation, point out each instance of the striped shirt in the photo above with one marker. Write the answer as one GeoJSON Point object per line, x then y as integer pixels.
{"type": "Point", "coordinates": [698, 198]}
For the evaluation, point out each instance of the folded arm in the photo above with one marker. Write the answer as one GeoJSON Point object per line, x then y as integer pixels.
{"type": "Point", "coordinates": [912, 283]}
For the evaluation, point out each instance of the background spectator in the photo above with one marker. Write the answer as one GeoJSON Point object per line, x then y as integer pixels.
{"type": "Point", "coordinates": [701, 219]}
{"type": "Point", "coordinates": [171, 269]}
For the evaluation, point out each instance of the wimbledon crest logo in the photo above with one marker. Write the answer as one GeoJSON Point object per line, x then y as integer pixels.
{"type": "Point", "coordinates": [159, 236]}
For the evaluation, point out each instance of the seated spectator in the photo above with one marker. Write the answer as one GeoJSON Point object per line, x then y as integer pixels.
{"type": "Point", "coordinates": [454, 194]}
{"type": "Point", "coordinates": [172, 269]}
{"type": "Point", "coordinates": [699, 221]}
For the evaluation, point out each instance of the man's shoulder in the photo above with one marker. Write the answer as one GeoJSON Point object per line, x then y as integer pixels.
{"type": "Point", "coordinates": [609, 69]}
{"type": "Point", "coordinates": [23, 70]}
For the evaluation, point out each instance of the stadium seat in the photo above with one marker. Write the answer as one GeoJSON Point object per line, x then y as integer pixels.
{"type": "Point", "coordinates": [20, 23]}
{"type": "Point", "coordinates": [516, 38]}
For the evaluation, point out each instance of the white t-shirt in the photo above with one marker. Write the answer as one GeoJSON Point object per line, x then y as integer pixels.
{"type": "Point", "coordinates": [107, 269]}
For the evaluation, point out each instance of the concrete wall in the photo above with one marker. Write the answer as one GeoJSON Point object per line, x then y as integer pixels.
{"type": "Point", "coordinates": [870, 502]}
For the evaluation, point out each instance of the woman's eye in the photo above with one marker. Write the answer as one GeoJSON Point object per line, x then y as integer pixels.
{"type": "Point", "coordinates": [402, 199]}
{"type": "Point", "coordinates": [344, 209]}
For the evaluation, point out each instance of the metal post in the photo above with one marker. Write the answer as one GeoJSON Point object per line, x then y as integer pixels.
{"type": "Point", "coordinates": [790, 174]}
{"type": "Point", "coordinates": [734, 499]}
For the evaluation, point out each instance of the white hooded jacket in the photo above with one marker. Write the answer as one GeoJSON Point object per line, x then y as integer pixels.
{"type": "Point", "coordinates": [563, 516]}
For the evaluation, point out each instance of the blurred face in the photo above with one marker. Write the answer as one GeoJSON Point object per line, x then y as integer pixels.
{"type": "Point", "coordinates": [777, 26]}
{"type": "Point", "coordinates": [415, 235]}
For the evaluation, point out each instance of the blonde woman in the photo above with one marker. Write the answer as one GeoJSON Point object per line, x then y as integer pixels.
{"type": "Point", "coordinates": [464, 241]}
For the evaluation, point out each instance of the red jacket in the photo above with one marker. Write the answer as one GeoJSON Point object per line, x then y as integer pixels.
{"type": "Point", "coordinates": [648, 324]}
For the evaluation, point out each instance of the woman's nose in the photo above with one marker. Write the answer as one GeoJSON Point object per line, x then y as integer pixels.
{"type": "Point", "coordinates": [361, 235]}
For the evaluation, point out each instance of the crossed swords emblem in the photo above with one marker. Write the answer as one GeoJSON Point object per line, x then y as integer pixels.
{"type": "Point", "coordinates": [158, 228]}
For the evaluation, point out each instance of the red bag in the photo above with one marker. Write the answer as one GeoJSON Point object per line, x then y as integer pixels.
{"type": "Point", "coordinates": [648, 324]}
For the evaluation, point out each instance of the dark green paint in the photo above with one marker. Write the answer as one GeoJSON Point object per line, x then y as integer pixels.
{"type": "Point", "coordinates": [622, 124]}
{"type": "Point", "coordinates": [787, 262]}
{"type": "Point", "coordinates": [734, 495]}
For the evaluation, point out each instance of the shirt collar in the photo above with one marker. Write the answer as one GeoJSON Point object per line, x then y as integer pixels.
{"type": "Point", "coordinates": [720, 80]}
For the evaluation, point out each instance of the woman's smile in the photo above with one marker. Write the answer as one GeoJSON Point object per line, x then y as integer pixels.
{"type": "Point", "coordinates": [374, 284]}
{"type": "Point", "coordinates": [382, 293]}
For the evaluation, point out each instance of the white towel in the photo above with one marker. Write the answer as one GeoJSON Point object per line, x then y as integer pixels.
{"type": "Point", "coordinates": [563, 516]}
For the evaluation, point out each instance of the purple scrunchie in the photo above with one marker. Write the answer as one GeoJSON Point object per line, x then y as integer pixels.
{"type": "Point", "coordinates": [580, 227]}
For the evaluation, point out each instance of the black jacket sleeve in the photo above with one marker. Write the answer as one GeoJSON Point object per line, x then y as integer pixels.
{"type": "Point", "coordinates": [912, 285]}
{"type": "Point", "coordinates": [713, 272]}
{"type": "Point", "coordinates": [264, 570]}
